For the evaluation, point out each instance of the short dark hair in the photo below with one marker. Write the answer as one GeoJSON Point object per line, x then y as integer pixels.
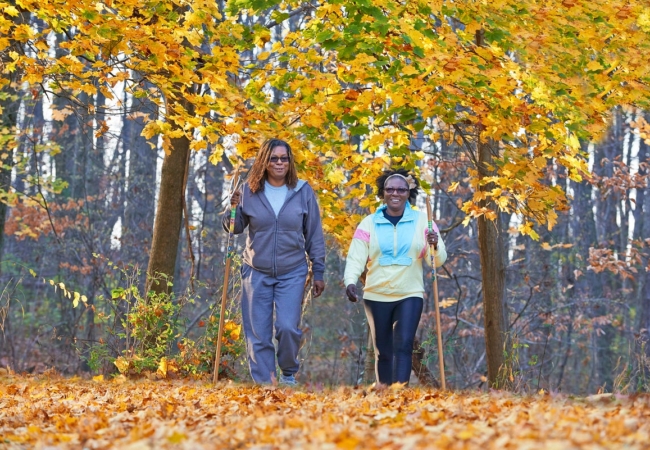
{"type": "Point", "coordinates": [381, 180]}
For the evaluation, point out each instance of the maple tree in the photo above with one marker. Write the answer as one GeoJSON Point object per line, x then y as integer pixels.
{"type": "Point", "coordinates": [517, 85]}
{"type": "Point", "coordinates": [123, 46]}
{"type": "Point", "coordinates": [373, 72]}
{"type": "Point", "coordinates": [363, 85]}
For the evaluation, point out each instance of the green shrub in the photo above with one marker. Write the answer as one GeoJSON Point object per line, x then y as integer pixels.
{"type": "Point", "coordinates": [149, 333]}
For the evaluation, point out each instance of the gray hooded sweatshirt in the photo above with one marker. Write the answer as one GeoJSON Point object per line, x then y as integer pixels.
{"type": "Point", "coordinates": [277, 245]}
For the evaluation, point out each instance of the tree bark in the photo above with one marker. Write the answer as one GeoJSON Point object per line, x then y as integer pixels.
{"type": "Point", "coordinates": [7, 121]}
{"type": "Point", "coordinates": [70, 162]}
{"type": "Point", "coordinates": [94, 169]}
{"type": "Point", "coordinates": [493, 272]}
{"type": "Point", "coordinates": [140, 205]}
{"type": "Point", "coordinates": [169, 215]}
{"type": "Point", "coordinates": [640, 225]}
{"type": "Point", "coordinates": [9, 116]}
{"type": "Point", "coordinates": [493, 266]}
{"type": "Point", "coordinates": [643, 203]}
{"type": "Point", "coordinates": [615, 236]}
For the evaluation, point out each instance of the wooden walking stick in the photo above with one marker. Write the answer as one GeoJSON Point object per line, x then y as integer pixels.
{"type": "Point", "coordinates": [224, 295]}
{"type": "Point", "coordinates": [441, 358]}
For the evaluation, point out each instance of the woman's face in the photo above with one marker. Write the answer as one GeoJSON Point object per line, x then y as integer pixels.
{"type": "Point", "coordinates": [278, 166]}
{"type": "Point", "coordinates": [396, 194]}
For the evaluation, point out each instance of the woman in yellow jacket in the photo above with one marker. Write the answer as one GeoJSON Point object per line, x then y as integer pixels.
{"type": "Point", "coordinates": [394, 244]}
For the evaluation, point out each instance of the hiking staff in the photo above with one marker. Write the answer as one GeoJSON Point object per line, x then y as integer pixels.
{"type": "Point", "coordinates": [441, 358]}
{"type": "Point", "coordinates": [224, 295]}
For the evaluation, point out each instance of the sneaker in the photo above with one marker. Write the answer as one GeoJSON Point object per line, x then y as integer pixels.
{"type": "Point", "coordinates": [287, 380]}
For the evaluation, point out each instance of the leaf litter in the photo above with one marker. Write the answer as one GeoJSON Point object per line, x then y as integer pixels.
{"type": "Point", "coordinates": [57, 412]}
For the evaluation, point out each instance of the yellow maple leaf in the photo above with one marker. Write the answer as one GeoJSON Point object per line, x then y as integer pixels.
{"type": "Point", "coordinates": [162, 368]}
{"type": "Point", "coordinates": [122, 364]}
{"type": "Point", "coordinates": [176, 438]}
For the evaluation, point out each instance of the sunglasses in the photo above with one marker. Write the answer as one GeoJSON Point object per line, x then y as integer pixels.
{"type": "Point", "coordinates": [400, 191]}
{"type": "Point", "coordinates": [282, 159]}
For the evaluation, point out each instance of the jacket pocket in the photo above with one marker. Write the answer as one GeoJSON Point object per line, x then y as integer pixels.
{"type": "Point", "coordinates": [259, 248]}
{"type": "Point", "coordinates": [290, 249]}
{"type": "Point", "coordinates": [388, 281]}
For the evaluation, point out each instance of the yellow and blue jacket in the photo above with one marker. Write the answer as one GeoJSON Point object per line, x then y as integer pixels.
{"type": "Point", "coordinates": [393, 255]}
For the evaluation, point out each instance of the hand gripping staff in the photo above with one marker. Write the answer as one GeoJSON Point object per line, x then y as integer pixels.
{"type": "Point", "coordinates": [441, 358]}
{"type": "Point", "coordinates": [224, 295]}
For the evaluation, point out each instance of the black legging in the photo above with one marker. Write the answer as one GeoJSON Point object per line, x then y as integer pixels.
{"type": "Point", "coordinates": [393, 326]}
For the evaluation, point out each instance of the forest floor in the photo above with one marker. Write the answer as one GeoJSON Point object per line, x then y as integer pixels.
{"type": "Point", "coordinates": [57, 412]}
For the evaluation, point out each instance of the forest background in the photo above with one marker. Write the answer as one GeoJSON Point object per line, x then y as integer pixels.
{"type": "Point", "coordinates": [123, 120]}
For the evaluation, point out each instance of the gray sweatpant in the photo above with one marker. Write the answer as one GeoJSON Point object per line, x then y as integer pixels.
{"type": "Point", "coordinates": [260, 294]}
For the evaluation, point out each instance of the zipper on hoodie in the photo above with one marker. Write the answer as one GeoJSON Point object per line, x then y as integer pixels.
{"type": "Point", "coordinates": [275, 234]}
{"type": "Point", "coordinates": [275, 246]}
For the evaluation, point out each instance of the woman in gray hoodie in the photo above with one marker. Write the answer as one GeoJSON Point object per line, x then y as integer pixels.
{"type": "Point", "coordinates": [284, 229]}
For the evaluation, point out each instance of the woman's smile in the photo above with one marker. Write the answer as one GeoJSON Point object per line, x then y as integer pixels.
{"type": "Point", "coordinates": [396, 201]}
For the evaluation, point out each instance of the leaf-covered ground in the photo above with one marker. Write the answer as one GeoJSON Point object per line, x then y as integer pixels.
{"type": "Point", "coordinates": [57, 412]}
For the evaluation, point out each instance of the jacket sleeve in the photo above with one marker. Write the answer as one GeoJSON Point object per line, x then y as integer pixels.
{"type": "Point", "coordinates": [357, 258]}
{"type": "Point", "coordinates": [313, 232]}
{"type": "Point", "coordinates": [241, 220]}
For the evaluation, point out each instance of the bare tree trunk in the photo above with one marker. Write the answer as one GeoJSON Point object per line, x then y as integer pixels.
{"type": "Point", "coordinates": [140, 205]}
{"type": "Point", "coordinates": [493, 267]}
{"type": "Point", "coordinates": [169, 215]}
{"type": "Point", "coordinates": [94, 169]}
{"type": "Point", "coordinates": [8, 121]}
{"type": "Point", "coordinates": [70, 162]}
{"type": "Point", "coordinates": [493, 271]}
{"type": "Point", "coordinates": [209, 245]}
{"type": "Point", "coordinates": [567, 352]}
{"type": "Point", "coordinates": [643, 205]}
{"type": "Point", "coordinates": [644, 317]}
{"type": "Point", "coordinates": [640, 225]}
{"type": "Point", "coordinates": [614, 236]}
{"type": "Point", "coordinates": [9, 109]}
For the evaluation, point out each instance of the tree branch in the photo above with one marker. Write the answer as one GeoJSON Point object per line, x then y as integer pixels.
{"type": "Point", "coordinates": [295, 12]}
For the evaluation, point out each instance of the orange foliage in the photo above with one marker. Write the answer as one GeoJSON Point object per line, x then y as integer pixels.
{"type": "Point", "coordinates": [72, 413]}
{"type": "Point", "coordinates": [621, 181]}
{"type": "Point", "coordinates": [625, 265]}
{"type": "Point", "coordinates": [28, 219]}
{"type": "Point", "coordinates": [84, 269]}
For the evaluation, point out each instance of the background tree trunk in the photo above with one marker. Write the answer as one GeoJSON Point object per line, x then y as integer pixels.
{"type": "Point", "coordinates": [493, 265]}
{"type": "Point", "coordinates": [169, 215]}
{"type": "Point", "coordinates": [140, 206]}
{"type": "Point", "coordinates": [8, 120]}
{"type": "Point", "coordinates": [493, 272]}
{"type": "Point", "coordinates": [9, 105]}
{"type": "Point", "coordinates": [643, 223]}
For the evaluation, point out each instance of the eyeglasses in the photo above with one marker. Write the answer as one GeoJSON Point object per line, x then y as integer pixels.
{"type": "Point", "coordinates": [391, 190]}
{"type": "Point", "coordinates": [282, 159]}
